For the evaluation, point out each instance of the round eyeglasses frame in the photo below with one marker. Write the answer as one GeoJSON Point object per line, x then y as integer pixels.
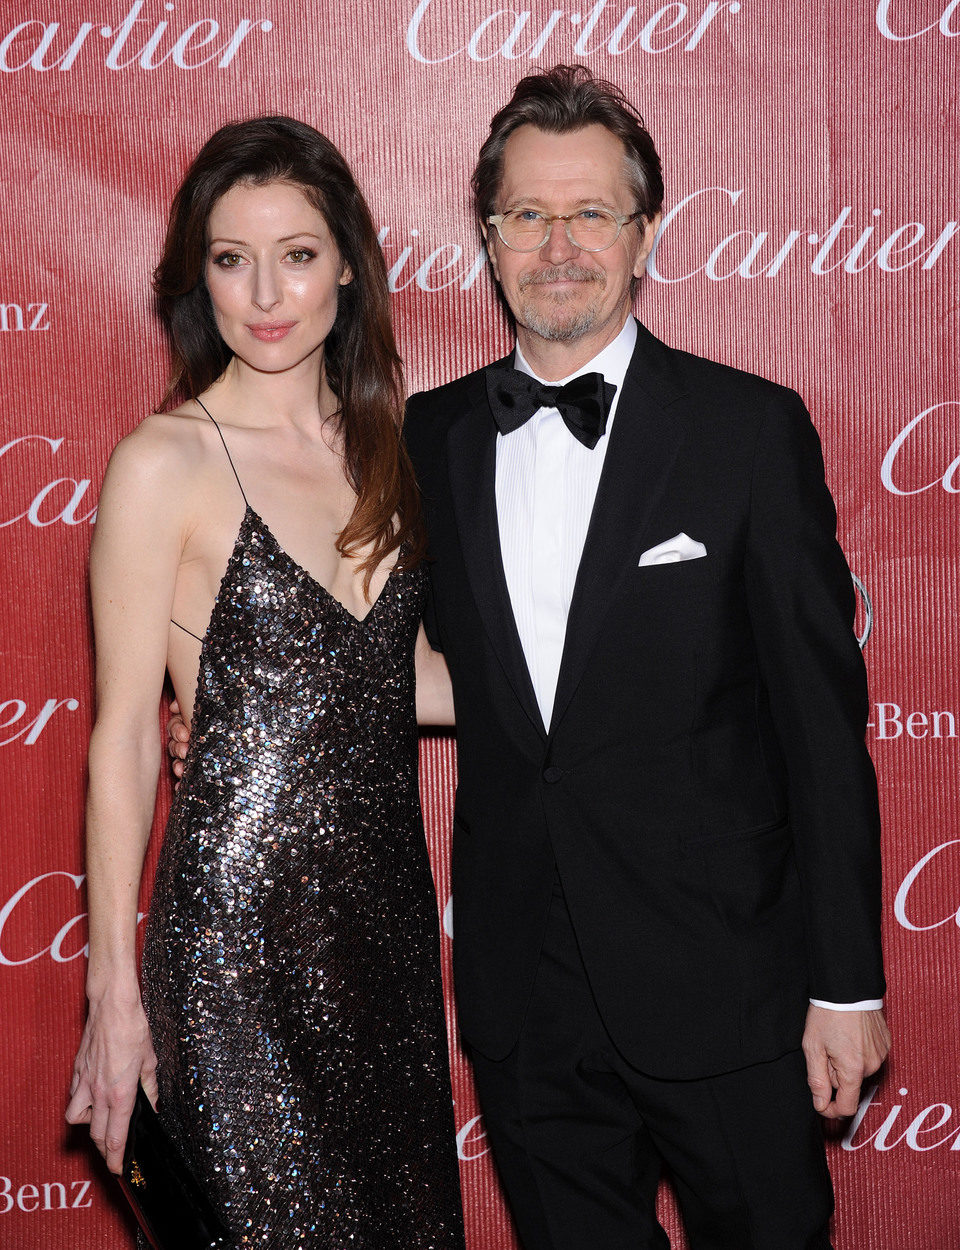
{"type": "Point", "coordinates": [548, 219]}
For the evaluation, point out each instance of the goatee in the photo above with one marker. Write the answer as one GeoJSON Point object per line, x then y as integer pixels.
{"type": "Point", "coordinates": [552, 324]}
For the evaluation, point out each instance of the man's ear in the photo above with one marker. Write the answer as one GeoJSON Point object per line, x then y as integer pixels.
{"type": "Point", "coordinates": [648, 234]}
{"type": "Point", "coordinates": [489, 237]}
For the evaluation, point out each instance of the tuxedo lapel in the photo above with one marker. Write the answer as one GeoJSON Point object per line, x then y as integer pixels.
{"type": "Point", "coordinates": [472, 467]}
{"type": "Point", "coordinates": [643, 446]}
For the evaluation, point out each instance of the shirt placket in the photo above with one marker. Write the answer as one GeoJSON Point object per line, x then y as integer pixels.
{"type": "Point", "coordinates": [546, 554]}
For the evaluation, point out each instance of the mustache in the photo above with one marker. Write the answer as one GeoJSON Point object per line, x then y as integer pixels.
{"type": "Point", "coordinates": [561, 273]}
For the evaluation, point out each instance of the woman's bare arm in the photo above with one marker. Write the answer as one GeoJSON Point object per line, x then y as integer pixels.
{"type": "Point", "coordinates": [133, 568]}
{"type": "Point", "coordinates": [434, 692]}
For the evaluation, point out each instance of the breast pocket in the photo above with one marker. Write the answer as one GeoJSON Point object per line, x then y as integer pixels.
{"type": "Point", "coordinates": [693, 566]}
{"type": "Point", "coordinates": [683, 582]}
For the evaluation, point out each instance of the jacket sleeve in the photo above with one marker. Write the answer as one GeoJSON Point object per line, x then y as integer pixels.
{"type": "Point", "coordinates": [417, 439]}
{"type": "Point", "coordinates": [801, 603]}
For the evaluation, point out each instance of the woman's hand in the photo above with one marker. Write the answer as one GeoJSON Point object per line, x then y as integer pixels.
{"type": "Point", "coordinates": [115, 1053]}
{"type": "Point", "coordinates": [178, 739]}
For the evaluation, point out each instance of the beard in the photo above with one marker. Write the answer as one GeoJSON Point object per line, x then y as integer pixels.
{"type": "Point", "coordinates": [552, 319]}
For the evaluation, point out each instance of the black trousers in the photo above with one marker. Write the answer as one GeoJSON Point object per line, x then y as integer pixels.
{"type": "Point", "coordinates": [580, 1137]}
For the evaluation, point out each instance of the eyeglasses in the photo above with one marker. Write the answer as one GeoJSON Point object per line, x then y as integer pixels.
{"type": "Point", "coordinates": [590, 229]}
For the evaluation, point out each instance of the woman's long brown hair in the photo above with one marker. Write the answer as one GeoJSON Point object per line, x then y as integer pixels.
{"type": "Point", "coordinates": [362, 366]}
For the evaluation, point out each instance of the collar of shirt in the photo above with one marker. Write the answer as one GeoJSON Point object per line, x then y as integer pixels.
{"type": "Point", "coordinates": [612, 362]}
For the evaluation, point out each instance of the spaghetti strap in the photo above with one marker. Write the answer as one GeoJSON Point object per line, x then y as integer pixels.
{"type": "Point", "coordinates": [185, 630]}
{"type": "Point", "coordinates": [229, 457]}
{"type": "Point", "coordinates": [242, 492]}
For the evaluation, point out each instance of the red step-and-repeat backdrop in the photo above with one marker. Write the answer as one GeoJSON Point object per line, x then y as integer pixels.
{"type": "Point", "coordinates": [812, 235]}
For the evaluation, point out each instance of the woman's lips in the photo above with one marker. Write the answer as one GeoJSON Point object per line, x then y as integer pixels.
{"type": "Point", "coordinates": [270, 331]}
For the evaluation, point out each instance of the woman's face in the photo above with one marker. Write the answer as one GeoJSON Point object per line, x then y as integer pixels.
{"type": "Point", "coordinates": [272, 271]}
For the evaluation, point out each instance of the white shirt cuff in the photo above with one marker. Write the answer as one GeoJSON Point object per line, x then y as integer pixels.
{"type": "Point", "coordinates": [867, 1004]}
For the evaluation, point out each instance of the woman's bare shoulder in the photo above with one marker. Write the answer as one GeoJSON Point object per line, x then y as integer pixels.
{"type": "Point", "coordinates": [165, 449]}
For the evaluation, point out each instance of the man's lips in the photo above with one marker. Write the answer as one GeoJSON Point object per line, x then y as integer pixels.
{"type": "Point", "coordinates": [270, 331]}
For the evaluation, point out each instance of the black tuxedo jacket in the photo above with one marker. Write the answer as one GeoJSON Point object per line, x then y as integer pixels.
{"type": "Point", "coordinates": [703, 790]}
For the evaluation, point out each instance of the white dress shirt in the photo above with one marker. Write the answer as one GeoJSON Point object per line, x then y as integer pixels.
{"type": "Point", "coordinates": [546, 485]}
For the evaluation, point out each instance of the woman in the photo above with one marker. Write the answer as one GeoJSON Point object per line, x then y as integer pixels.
{"type": "Point", "coordinates": [261, 542]}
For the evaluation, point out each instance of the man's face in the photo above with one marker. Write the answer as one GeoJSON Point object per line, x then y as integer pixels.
{"type": "Point", "coordinates": [561, 293]}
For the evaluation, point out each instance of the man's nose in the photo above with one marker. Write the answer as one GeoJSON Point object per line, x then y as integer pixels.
{"type": "Point", "coordinates": [558, 247]}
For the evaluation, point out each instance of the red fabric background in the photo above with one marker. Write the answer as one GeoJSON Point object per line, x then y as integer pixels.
{"type": "Point", "coordinates": [810, 162]}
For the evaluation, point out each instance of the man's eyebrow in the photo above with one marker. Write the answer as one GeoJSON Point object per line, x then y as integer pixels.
{"type": "Point", "coordinates": [594, 201]}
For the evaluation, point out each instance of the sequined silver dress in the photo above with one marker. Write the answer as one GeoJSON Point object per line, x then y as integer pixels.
{"type": "Point", "coordinates": [291, 968]}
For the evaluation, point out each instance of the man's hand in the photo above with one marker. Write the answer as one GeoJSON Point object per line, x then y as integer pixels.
{"type": "Point", "coordinates": [178, 738]}
{"type": "Point", "coordinates": [841, 1048]}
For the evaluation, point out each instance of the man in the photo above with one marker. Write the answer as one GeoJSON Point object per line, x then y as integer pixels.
{"type": "Point", "coordinates": [665, 861]}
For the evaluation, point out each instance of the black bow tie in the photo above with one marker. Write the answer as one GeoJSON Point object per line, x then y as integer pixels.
{"type": "Point", "coordinates": [583, 403]}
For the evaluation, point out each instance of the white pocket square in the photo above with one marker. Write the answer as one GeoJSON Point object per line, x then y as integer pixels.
{"type": "Point", "coordinates": [673, 551]}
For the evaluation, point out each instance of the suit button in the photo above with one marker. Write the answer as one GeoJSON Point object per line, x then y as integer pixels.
{"type": "Point", "coordinates": [552, 773]}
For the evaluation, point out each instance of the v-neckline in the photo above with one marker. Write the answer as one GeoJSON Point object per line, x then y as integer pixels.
{"type": "Point", "coordinates": [327, 593]}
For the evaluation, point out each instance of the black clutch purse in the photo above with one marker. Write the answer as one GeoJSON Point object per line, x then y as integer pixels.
{"type": "Point", "coordinates": [169, 1204]}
